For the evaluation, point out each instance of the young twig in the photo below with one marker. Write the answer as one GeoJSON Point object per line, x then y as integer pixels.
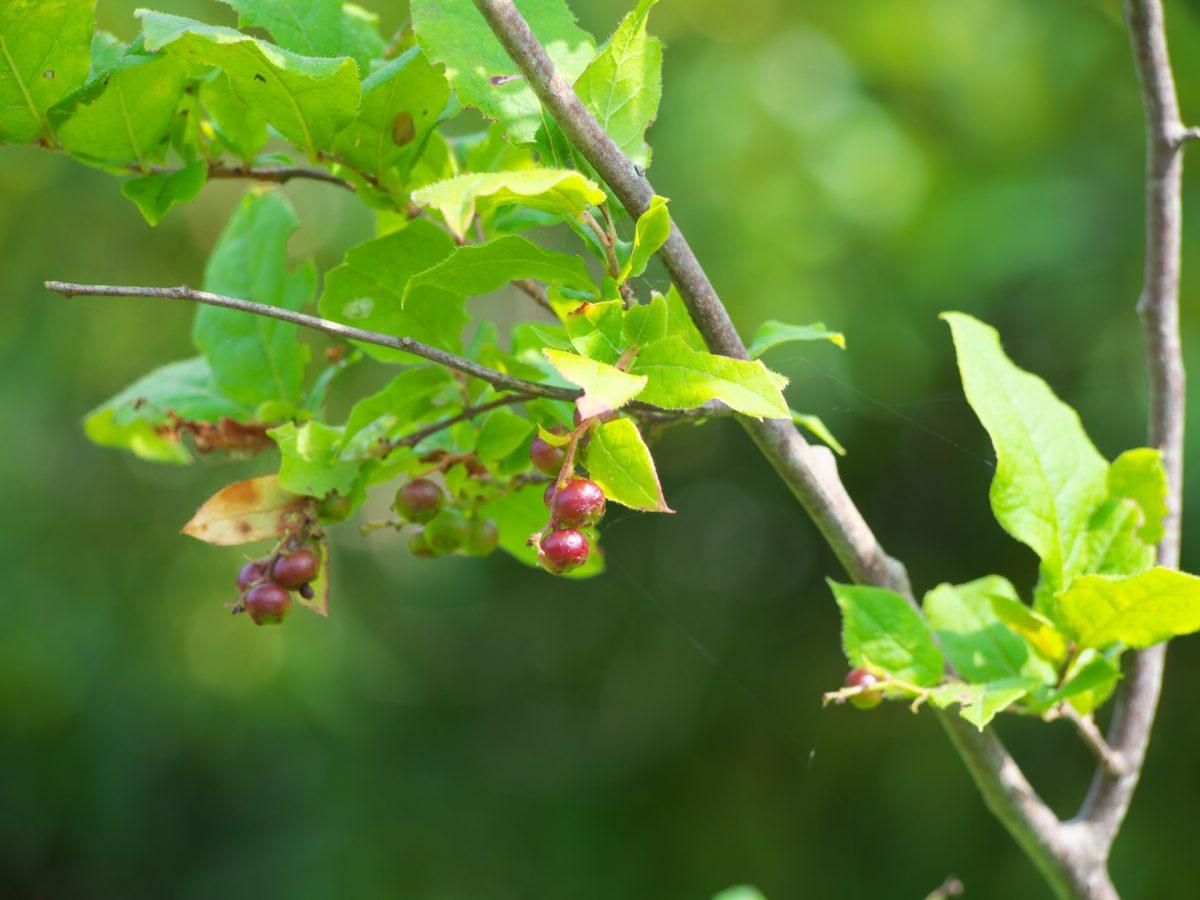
{"type": "Point", "coordinates": [1085, 727]}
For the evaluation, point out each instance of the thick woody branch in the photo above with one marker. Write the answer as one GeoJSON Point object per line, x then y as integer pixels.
{"type": "Point", "coordinates": [810, 472]}
{"type": "Point", "coordinates": [1137, 699]}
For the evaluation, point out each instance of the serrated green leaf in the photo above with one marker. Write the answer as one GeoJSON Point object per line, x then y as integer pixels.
{"type": "Point", "coordinates": [401, 103]}
{"type": "Point", "coordinates": [679, 321]}
{"type": "Point", "coordinates": [880, 631]}
{"type": "Point", "coordinates": [818, 428]}
{"type": "Point", "coordinates": [978, 643]}
{"type": "Point", "coordinates": [1087, 685]}
{"type": "Point", "coordinates": [107, 50]}
{"type": "Point", "coordinates": [1111, 545]}
{"type": "Point", "coordinates": [620, 462]}
{"type": "Point", "coordinates": [1139, 476]}
{"type": "Point", "coordinates": [646, 323]}
{"type": "Point", "coordinates": [410, 399]}
{"type": "Point", "coordinates": [558, 191]}
{"type": "Point", "coordinates": [651, 232]}
{"type": "Point", "coordinates": [622, 86]}
{"type": "Point", "coordinates": [502, 433]}
{"type": "Point", "coordinates": [256, 359]}
{"type": "Point", "coordinates": [1049, 476]}
{"type": "Point", "coordinates": [155, 194]}
{"type": "Point", "coordinates": [309, 465]}
{"type": "Point", "coordinates": [1138, 611]}
{"type": "Point", "coordinates": [595, 330]}
{"type": "Point", "coordinates": [44, 56]}
{"type": "Point", "coordinates": [367, 291]}
{"type": "Point", "coordinates": [481, 268]}
{"type": "Point", "coordinates": [239, 129]}
{"type": "Point", "coordinates": [605, 388]}
{"type": "Point", "coordinates": [772, 334]}
{"type": "Point", "coordinates": [124, 115]}
{"type": "Point", "coordinates": [138, 418]}
{"type": "Point", "coordinates": [679, 377]}
{"type": "Point", "coordinates": [308, 100]}
{"type": "Point", "coordinates": [452, 32]}
{"type": "Point", "coordinates": [311, 27]}
{"type": "Point", "coordinates": [522, 512]}
{"type": "Point", "coordinates": [980, 703]}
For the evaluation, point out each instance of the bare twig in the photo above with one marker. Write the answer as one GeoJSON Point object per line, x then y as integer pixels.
{"type": "Point", "coordinates": [408, 345]}
{"type": "Point", "coordinates": [274, 174]}
{"type": "Point", "coordinates": [1137, 699]}
{"type": "Point", "coordinates": [534, 292]}
{"type": "Point", "coordinates": [951, 887]}
{"type": "Point", "coordinates": [411, 440]}
{"type": "Point", "coordinates": [1085, 727]}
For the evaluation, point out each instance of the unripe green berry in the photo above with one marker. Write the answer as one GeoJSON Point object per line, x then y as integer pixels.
{"type": "Point", "coordinates": [448, 532]}
{"type": "Point", "coordinates": [482, 537]}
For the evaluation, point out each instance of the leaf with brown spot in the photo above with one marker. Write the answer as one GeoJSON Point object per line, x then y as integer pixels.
{"type": "Point", "coordinates": [320, 585]}
{"type": "Point", "coordinates": [403, 129]}
{"type": "Point", "coordinates": [245, 512]}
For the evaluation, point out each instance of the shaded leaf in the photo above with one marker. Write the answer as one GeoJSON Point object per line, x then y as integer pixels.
{"type": "Point", "coordinates": [502, 433]}
{"type": "Point", "coordinates": [155, 194]}
{"type": "Point", "coordinates": [310, 465]}
{"type": "Point", "coordinates": [818, 428]}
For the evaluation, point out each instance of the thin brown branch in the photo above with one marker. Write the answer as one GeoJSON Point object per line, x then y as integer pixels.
{"type": "Point", "coordinates": [1093, 739]}
{"type": "Point", "coordinates": [534, 292]}
{"type": "Point", "coordinates": [411, 440]}
{"type": "Point", "coordinates": [274, 174]}
{"type": "Point", "coordinates": [498, 380]}
{"type": "Point", "coordinates": [1108, 799]}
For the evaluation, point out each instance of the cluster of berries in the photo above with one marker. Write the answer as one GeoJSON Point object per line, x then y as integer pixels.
{"type": "Point", "coordinates": [444, 529]}
{"type": "Point", "coordinates": [265, 585]}
{"type": "Point", "coordinates": [575, 504]}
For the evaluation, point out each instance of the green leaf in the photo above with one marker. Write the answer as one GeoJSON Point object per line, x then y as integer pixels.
{"type": "Point", "coordinates": [817, 427]}
{"type": "Point", "coordinates": [1111, 545]}
{"type": "Point", "coordinates": [520, 513]}
{"type": "Point", "coordinates": [1049, 477]}
{"type": "Point", "coordinates": [740, 892]}
{"type": "Point", "coordinates": [647, 322]}
{"type": "Point", "coordinates": [1087, 685]}
{"type": "Point", "coordinates": [679, 321]}
{"type": "Point", "coordinates": [595, 330]}
{"type": "Point", "coordinates": [622, 86]}
{"type": "Point", "coordinates": [367, 291]}
{"type": "Point", "coordinates": [978, 643]}
{"type": "Point", "coordinates": [242, 131]}
{"type": "Point", "coordinates": [980, 703]}
{"type": "Point", "coordinates": [680, 377]}
{"type": "Point", "coordinates": [155, 194]}
{"type": "Point", "coordinates": [308, 100]}
{"type": "Point", "coordinates": [605, 388]}
{"type": "Point", "coordinates": [453, 32]}
{"type": "Point", "coordinates": [880, 631]}
{"type": "Point", "coordinates": [1137, 611]}
{"type": "Point", "coordinates": [651, 232]}
{"type": "Point", "coordinates": [1036, 629]}
{"type": "Point", "coordinates": [1139, 476]}
{"type": "Point", "coordinates": [772, 334]}
{"type": "Point", "coordinates": [400, 105]}
{"type": "Point", "coordinates": [124, 115]}
{"type": "Point", "coordinates": [502, 433]}
{"type": "Point", "coordinates": [558, 191]}
{"type": "Point", "coordinates": [44, 56]}
{"type": "Point", "coordinates": [309, 465]}
{"type": "Point", "coordinates": [481, 268]}
{"type": "Point", "coordinates": [410, 399]}
{"type": "Point", "coordinates": [310, 27]}
{"type": "Point", "coordinates": [139, 418]}
{"type": "Point", "coordinates": [620, 462]}
{"type": "Point", "coordinates": [256, 359]}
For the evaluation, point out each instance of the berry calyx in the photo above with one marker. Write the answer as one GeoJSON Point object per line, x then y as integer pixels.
{"type": "Point", "coordinates": [251, 573]}
{"type": "Point", "coordinates": [578, 504]}
{"type": "Point", "coordinates": [418, 501]}
{"type": "Point", "coordinates": [562, 551]}
{"type": "Point", "coordinates": [546, 458]}
{"type": "Point", "coordinates": [306, 591]}
{"type": "Point", "coordinates": [295, 569]}
{"type": "Point", "coordinates": [482, 537]}
{"type": "Point", "coordinates": [868, 699]}
{"type": "Point", "coordinates": [268, 603]}
{"type": "Point", "coordinates": [447, 532]}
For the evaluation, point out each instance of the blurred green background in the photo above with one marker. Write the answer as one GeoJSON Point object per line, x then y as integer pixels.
{"type": "Point", "coordinates": [473, 729]}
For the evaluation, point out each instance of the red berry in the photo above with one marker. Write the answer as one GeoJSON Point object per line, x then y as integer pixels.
{"type": "Point", "coordinates": [864, 679]}
{"type": "Point", "coordinates": [562, 551]}
{"type": "Point", "coordinates": [578, 504]}
{"type": "Point", "coordinates": [268, 604]}
{"type": "Point", "coordinates": [418, 501]}
{"type": "Point", "coordinates": [548, 495]}
{"type": "Point", "coordinates": [546, 458]}
{"type": "Point", "coordinates": [295, 569]}
{"type": "Point", "coordinates": [251, 573]}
